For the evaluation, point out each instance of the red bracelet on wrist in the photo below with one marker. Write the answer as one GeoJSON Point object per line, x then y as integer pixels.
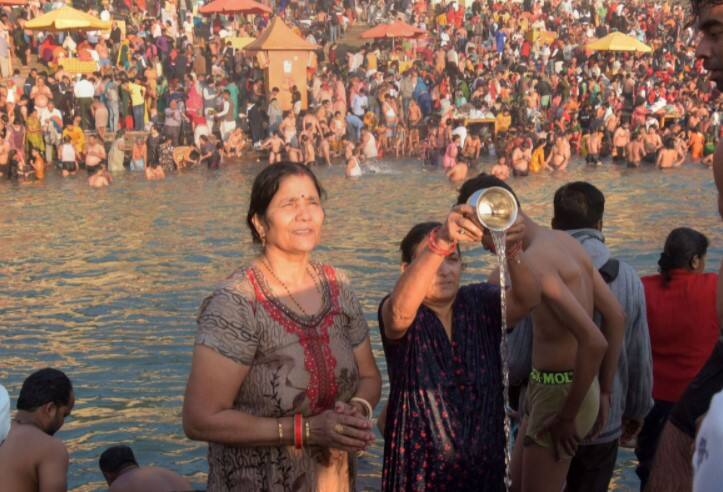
{"type": "Point", "coordinates": [515, 251]}
{"type": "Point", "coordinates": [434, 247]}
{"type": "Point", "coordinates": [298, 431]}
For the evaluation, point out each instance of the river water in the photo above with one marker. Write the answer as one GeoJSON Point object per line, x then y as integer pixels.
{"type": "Point", "coordinates": [105, 284]}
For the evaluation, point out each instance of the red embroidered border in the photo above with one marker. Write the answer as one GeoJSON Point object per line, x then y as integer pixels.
{"type": "Point", "coordinates": [318, 359]}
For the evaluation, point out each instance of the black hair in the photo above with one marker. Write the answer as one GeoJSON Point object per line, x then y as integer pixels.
{"type": "Point", "coordinates": [480, 182]}
{"type": "Point", "coordinates": [267, 183]}
{"type": "Point", "coordinates": [115, 458]}
{"type": "Point", "coordinates": [578, 205]}
{"type": "Point", "coordinates": [415, 236]}
{"type": "Point", "coordinates": [681, 246]}
{"type": "Point", "coordinates": [44, 386]}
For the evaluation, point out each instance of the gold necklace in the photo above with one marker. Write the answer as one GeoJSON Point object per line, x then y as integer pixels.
{"type": "Point", "coordinates": [286, 288]}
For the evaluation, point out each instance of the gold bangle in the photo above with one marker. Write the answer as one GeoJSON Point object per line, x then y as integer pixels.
{"type": "Point", "coordinates": [281, 432]}
{"type": "Point", "coordinates": [307, 429]}
{"type": "Point", "coordinates": [365, 404]}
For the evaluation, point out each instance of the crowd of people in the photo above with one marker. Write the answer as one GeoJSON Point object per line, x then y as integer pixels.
{"type": "Point", "coordinates": [600, 356]}
{"type": "Point", "coordinates": [512, 82]}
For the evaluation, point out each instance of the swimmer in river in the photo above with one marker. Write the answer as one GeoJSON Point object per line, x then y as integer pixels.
{"type": "Point", "coordinates": [458, 173]}
{"type": "Point", "coordinates": [565, 402]}
{"type": "Point", "coordinates": [100, 179]}
{"type": "Point", "coordinates": [501, 170]}
{"type": "Point", "coordinates": [31, 459]}
{"type": "Point", "coordinates": [123, 473]}
{"type": "Point", "coordinates": [276, 145]}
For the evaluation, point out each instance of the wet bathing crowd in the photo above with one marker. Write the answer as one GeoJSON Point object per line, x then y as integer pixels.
{"type": "Point", "coordinates": [283, 383]}
{"type": "Point", "coordinates": [509, 82]}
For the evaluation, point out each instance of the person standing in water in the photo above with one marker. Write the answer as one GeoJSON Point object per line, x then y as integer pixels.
{"type": "Point", "coordinates": [444, 423]}
{"type": "Point", "coordinates": [565, 400]}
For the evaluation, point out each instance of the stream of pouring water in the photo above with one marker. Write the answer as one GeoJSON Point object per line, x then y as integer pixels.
{"type": "Point", "coordinates": [499, 238]}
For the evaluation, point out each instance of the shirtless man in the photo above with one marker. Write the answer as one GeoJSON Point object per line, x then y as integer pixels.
{"type": "Point", "coordinates": [94, 155]}
{"type": "Point", "coordinates": [123, 474]}
{"type": "Point", "coordinates": [635, 150]}
{"type": "Point", "coordinates": [458, 173]}
{"type": "Point", "coordinates": [521, 157]}
{"type": "Point", "coordinates": [101, 179]}
{"type": "Point", "coordinates": [414, 122]}
{"type": "Point", "coordinates": [31, 459]}
{"type": "Point", "coordinates": [472, 147]}
{"type": "Point", "coordinates": [560, 154]}
{"type": "Point", "coordinates": [652, 143]}
{"type": "Point", "coordinates": [621, 139]}
{"type": "Point", "coordinates": [594, 145]}
{"type": "Point", "coordinates": [325, 148]}
{"type": "Point", "coordinates": [275, 144]}
{"type": "Point", "coordinates": [41, 95]}
{"type": "Point", "coordinates": [501, 170]}
{"type": "Point", "coordinates": [669, 156]}
{"type": "Point", "coordinates": [569, 353]}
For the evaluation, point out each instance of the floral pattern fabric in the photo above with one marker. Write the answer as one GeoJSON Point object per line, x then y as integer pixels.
{"type": "Point", "coordinates": [444, 428]}
{"type": "Point", "coordinates": [297, 364]}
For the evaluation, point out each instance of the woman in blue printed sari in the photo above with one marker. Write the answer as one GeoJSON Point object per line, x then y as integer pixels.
{"type": "Point", "coordinates": [444, 421]}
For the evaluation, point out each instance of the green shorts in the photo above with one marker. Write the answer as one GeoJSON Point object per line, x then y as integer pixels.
{"type": "Point", "coordinates": [546, 394]}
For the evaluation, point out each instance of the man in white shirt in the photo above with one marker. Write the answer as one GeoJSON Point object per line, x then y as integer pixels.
{"type": "Point", "coordinates": [359, 104]}
{"type": "Point", "coordinates": [84, 93]}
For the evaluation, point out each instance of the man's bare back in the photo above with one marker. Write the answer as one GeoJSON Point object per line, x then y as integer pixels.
{"type": "Point", "coordinates": [150, 478]}
{"type": "Point", "coordinates": [31, 460]}
{"type": "Point", "coordinates": [557, 255]}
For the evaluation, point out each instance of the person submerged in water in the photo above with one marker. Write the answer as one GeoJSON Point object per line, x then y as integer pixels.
{"type": "Point", "coordinates": [100, 179]}
{"type": "Point", "coordinates": [123, 474]}
{"type": "Point", "coordinates": [458, 173]}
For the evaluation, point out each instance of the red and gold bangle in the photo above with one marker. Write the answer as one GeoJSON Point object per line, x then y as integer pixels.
{"type": "Point", "coordinates": [298, 431]}
{"type": "Point", "coordinates": [434, 247]}
{"type": "Point", "coordinates": [514, 252]}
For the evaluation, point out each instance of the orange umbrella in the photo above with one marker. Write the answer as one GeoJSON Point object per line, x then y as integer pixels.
{"type": "Point", "coordinates": [13, 2]}
{"type": "Point", "coordinates": [396, 29]}
{"type": "Point", "coordinates": [234, 7]}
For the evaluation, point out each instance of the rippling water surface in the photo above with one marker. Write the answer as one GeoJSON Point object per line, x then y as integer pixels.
{"type": "Point", "coordinates": [105, 284]}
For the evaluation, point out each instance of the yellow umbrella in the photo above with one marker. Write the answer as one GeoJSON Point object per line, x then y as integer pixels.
{"type": "Point", "coordinates": [66, 19]}
{"type": "Point", "coordinates": [617, 41]}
